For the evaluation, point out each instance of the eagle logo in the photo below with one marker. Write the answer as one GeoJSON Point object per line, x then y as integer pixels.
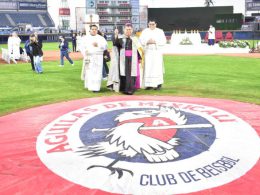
{"type": "Point", "coordinates": [150, 133]}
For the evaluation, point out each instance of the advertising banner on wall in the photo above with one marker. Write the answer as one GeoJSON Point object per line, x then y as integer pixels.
{"type": "Point", "coordinates": [64, 11]}
{"type": "Point", "coordinates": [8, 5]}
{"type": "Point", "coordinates": [32, 6]}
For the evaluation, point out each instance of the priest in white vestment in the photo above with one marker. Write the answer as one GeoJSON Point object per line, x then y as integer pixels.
{"type": "Point", "coordinates": [92, 48]}
{"type": "Point", "coordinates": [153, 39]}
{"type": "Point", "coordinates": [14, 46]}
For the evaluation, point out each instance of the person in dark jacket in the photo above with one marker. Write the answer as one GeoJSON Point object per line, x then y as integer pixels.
{"type": "Point", "coordinates": [106, 58]}
{"type": "Point", "coordinates": [64, 51]}
{"type": "Point", "coordinates": [74, 42]}
{"type": "Point", "coordinates": [36, 51]}
{"type": "Point", "coordinates": [28, 52]}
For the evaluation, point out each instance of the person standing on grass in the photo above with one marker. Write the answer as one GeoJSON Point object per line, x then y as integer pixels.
{"type": "Point", "coordinates": [106, 59]}
{"type": "Point", "coordinates": [13, 44]}
{"type": "Point", "coordinates": [92, 48]}
{"type": "Point", "coordinates": [124, 68]}
{"type": "Point", "coordinates": [74, 42]}
{"type": "Point", "coordinates": [153, 39]}
{"type": "Point", "coordinates": [29, 53]}
{"type": "Point", "coordinates": [64, 51]}
{"type": "Point", "coordinates": [36, 50]}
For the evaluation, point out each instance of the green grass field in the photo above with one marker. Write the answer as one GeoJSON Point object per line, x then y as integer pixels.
{"type": "Point", "coordinates": [234, 78]}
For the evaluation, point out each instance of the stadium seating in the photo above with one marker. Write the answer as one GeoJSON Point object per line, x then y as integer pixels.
{"type": "Point", "coordinates": [36, 19]}
{"type": "Point", "coordinates": [4, 20]}
{"type": "Point", "coordinates": [229, 36]}
{"type": "Point", "coordinates": [219, 36]}
{"type": "Point", "coordinates": [48, 20]}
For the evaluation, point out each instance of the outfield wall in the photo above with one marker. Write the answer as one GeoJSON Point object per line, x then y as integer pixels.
{"type": "Point", "coordinates": [239, 35]}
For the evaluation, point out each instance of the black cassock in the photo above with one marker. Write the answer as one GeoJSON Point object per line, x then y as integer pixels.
{"type": "Point", "coordinates": [127, 82]}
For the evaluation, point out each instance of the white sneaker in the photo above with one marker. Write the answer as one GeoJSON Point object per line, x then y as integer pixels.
{"type": "Point", "coordinates": [72, 64]}
{"type": "Point", "coordinates": [60, 65]}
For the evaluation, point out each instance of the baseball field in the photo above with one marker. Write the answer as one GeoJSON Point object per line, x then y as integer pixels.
{"type": "Point", "coordinates": [234, 77]}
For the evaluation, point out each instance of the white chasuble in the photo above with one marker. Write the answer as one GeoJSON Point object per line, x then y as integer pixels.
{"type": "Point", "coordinates": [154, 67]}
{"type": "Point", "coordinates": [93, 61]}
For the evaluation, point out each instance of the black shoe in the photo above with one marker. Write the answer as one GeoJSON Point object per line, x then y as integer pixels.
{"type": "Point", "coordinates": [128, 92]}
{"type": "Point", "coordinates": [95, 91]}
{"type": "Point", "coordinates": [148, 88]}
{"type": "Point", "coordinates": [158, 87]}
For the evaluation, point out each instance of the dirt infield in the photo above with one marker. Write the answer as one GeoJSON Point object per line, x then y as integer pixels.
{"type": "Point", "coordinates": [55, 55]}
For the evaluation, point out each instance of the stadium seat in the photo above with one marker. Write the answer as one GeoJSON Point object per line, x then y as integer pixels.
{"type": "Point", "coordinates": [206, 38]}
{"type": "Point", "coordinates": [229, 36]}
{"type": "Point", "coordinates": [4, 21]}
{"type": "Point", "coordinates": [219, 36]}
{"type": "Point", "coordinates": [35, 19]}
